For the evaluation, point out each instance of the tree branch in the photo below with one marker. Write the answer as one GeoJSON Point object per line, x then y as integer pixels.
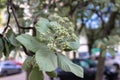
{"type": "Point", "coordinates": [9, 15]}
{"type": "Point", "coordinates": [15, 17]}
{"type": "Point", "coordinates": [11, 5]}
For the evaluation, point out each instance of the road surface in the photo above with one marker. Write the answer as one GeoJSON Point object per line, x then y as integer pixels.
{"type": "Point", "coordinates": [20, 76]}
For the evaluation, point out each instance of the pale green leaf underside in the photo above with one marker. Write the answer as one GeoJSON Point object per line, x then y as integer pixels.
{"type": "Point", "coordinates": [65, 64]}
{"type": "Point", "coordinates": [74, 45]}
{"type": "Point", "coordinates": [30, 42]}
{"type": "Point", "coordinates": [46, 60]}
{"type": "Point", "coordinates": [35, 74]}
{"type": "Point", "coordinates": [53, 23]}
{"type": "Point", "coordinates": [42, 25]}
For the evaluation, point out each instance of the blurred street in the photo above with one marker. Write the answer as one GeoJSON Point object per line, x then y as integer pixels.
{"type": "Point", "coordinates": [20, 76]}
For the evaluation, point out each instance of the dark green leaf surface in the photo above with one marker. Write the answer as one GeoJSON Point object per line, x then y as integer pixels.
{"type": "Point", "coordinates": [35, 74]}
{"type": "Point", "coordinates": [1, 47]}
{"type": "Point", "coordinates": [52, 74]}
{"type": "Point", "coordinates": [12, 38]}
{"type": "Point", "coordinates": [26, 65]}
{"type": "Point", "coordinates": [6, 47]}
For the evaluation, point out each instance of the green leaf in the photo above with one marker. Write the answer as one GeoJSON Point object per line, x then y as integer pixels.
{"type": "Point", "coordinates": [1, 47]}
{"type": "Point", "coordinates": [102, 1]}
{"type": "Point", "coordinates": [35, 74]}
{"type": "Point", "coordinates": [12, 38]}
{"type": "Point", "coordinates": [74, 45]}
{"type": "Point", "coordinates": [103, 52]}
{"type": "Point", "coordinates": [42, 25]}
{"type": "Point", "coordinates": [6, 47]}
{"type": "Point", "coordinates": [114, 8]}
{"type": "Point", "coordinates": [65, 64]}
{"type": "Point", "coordinates": [46, 57]}
{"type": "Point", "coordinates": [53, 23]}
{"type": "Point", "coordinates": [27, 65]}
{"type": "Point", "coordinates": [111, 41]}
{"type": "Point", "coordinates": [105, 40]}
{"type": "Point", "coordinates": [30, 42]}
{"type": "Point", "coordinates": [52, 74]}
{"type": "Point", "coordinates": [111, 51]}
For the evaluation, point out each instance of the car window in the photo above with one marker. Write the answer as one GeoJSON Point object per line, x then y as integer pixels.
{"type": "Point", "coordinates": [83, 55]}
{"type": "Point", "coordinates": [9, 64]}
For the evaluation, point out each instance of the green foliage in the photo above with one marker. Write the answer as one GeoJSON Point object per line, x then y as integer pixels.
{"type": "Point", "coordinates": [29, 42]}
{"type": "Point", "coordinates": [36, 74]}
{"type": "Point", "coordinates": [108, 44]}
{"type": "Point", "coordinates": [42, 25]}
{"type": "Point", "coordinates": [111, 40]}
{"type": "Point", "coordinates": [2, 3]}
{"type": "Point", "coordinates": [103, 1]}
{"type": "Point", "coordinates": [52, 74]}
{"type": "Point", "coordinates": [58, 33]}
{"type": "Point", "coordinates": [55, 33]}
{"type": "Point", "coordinates": [27, 63]}
{"type": "Point", "coordinates": [12, 38]}
{"type": "Point", "coordinates": [74, 45]}
{"type": "Point", "coordinates": [111, 51]}
{"type": "Point", "coordinates": [1, 47]}
{"type": "Point", "coordinates": [6, 47]}
{"type": "Point", "coordinates": [65, 64]}
{"type": "Point", "coordinates": [116, 31]}
{"type": "Point", "coordinates": [46, 57]}
{"type": "Point", "coordinates": [8, 43]}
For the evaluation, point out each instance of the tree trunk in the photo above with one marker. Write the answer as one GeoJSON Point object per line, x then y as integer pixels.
{"type": "Point", "coordinates": [100, 67]}
{"type": "Point", "coordinates": [106, 32]}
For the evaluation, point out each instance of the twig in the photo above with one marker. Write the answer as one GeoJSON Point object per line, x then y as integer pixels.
{"type": "Point", "coordinates": [14, 14]}
{"type": "Point", "coordinates": [9, 15]}
{"type": "Point", "coordinates": [10, 5]}
{"type": "Point", "coordinates": [99, 14]}
{"type": "Point", "coordinates": [29, 53]}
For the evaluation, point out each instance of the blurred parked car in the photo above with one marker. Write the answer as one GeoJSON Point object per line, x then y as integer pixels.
{"type": "Point", "coordinates": [90, 68]}
{"type": "Point", "coordinates": [8, 67]}
{"type": "Point", "coordinates": [14, 61]}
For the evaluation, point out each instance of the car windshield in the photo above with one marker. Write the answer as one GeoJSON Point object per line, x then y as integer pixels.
{"type": "Point", "coordinates": [6, 63]}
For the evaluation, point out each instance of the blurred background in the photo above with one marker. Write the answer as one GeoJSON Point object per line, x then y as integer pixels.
{"type": "Point", "coordinates": [96, 23]}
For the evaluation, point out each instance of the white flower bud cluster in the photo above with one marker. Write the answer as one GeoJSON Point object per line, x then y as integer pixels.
{"type": "Point", "coordinates": [28, 64]}
{"type": "Point", "coordinates": [42, 38]}
{"type": "Point", "coordinates": [59, 35]}
{"type": "Point", "coordinates": [52, 46]}
{"type": "Point", "coordinates": [73, 37]}
{"type": "Point", "coordinates": [31, 62]}
{"type": "Point", "coordinates": [60, 31]}
{"type": "Point", "coordinates": [51, 39]}
{"type": "Point", "coordinates": [65, 45]}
